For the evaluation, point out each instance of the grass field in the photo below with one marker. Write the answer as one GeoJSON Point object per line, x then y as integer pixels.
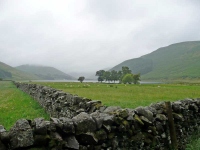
{"type": "Point", "coordinates": [15, 104]}
{"type": "Point", "coordinates": [129, 96]}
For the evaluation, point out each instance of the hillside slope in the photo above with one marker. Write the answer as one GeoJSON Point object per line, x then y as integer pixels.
{"type": "Point", "coordinates": [180, 60]}
{"type": "Point", "coordinates": [44, 72]}
{"type": "Point", "coordinates": [9, 73]}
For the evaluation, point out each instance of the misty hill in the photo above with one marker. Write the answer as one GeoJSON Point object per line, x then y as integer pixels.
{"type": "Point", "coordinates": [180, 60]}
{"type": "Point", "coordinates": [44, 72]}
{"type": "Point", "coordinates": [9, 73]}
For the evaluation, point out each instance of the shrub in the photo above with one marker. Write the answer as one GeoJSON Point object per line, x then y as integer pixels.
{"type": "Point", "coordinates": [128, 78]}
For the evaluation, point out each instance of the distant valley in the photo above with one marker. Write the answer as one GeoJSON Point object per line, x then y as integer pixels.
{"type": "Point", "coordinates": [32, 72]}
{"type": "Point", "coordinates": [45, 72]}
{"type": "Point", "coordinates": [9, 73]}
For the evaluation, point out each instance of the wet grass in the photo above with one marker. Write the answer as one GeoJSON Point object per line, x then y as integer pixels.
{"type": "Point", "coordinates": [194, 142]}
{"type": "Point", "coordinates": [129, 95]}
{"type": "Point", "coordinates": [15, 104]}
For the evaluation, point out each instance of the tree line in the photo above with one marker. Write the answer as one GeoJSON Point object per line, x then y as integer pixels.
{"type": "Point", "coordinates": [123, 76]}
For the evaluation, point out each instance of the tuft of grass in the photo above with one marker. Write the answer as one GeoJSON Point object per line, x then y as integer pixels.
{"type": "Point", "coordinates": [194, 142]}
{"type": "Point", "coordinates": [15, 104]}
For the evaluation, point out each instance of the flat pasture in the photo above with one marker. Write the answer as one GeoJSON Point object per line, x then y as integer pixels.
{"type": "Point", "coordinates": [128, 95]}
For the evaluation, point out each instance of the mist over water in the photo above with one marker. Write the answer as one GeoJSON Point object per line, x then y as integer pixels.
{"type": "Point", "coordinates": [94, 81]}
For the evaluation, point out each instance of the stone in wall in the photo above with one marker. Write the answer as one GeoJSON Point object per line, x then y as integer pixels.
{"type": "Point", "coordinates": [2, 133]}
{"type": "Point", "coordinates": [21, 134]}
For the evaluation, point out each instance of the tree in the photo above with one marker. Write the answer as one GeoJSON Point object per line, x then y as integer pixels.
{"type": "Point", "coordinates": [81, 79]}
{"type": "Point", "coordinates": [119, 76]}
{"type": "Point", "coordinates": [100, 78]}
{"type": "Point", "coordinates": [128, 78]}
{"type": "Point", "coordinates": [136, 78]}
{"type": "Point", "coordinates": [114, 75]}
{"type": "Point", "coordinates": [106, 75]}
{"type": "Point", "coordinates": [100, 75]}
{"type": "Point", "coordinates": [126, 70]}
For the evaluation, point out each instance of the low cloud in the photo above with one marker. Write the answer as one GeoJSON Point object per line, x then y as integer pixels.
{"type": "Point", "coordinates": [88, 35]}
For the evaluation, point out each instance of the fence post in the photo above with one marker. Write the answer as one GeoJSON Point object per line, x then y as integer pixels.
{"type": "Point", "coordinates": [171, 125]}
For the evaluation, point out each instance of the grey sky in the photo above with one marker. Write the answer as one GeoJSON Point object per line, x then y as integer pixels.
{"type": "Point", "coordinates": [88, 35]}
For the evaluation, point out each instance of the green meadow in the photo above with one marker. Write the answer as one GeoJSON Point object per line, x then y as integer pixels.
{"type": "Point", "coordinates": [128, 95]}
{"type": "Point", "coordinates": [15, 104]}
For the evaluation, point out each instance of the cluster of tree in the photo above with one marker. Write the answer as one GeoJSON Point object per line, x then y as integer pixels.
{"type": "Point", "coordinates": [123, 76]}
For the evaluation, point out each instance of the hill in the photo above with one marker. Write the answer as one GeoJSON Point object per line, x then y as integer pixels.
{"type": "Point", "coordinates": [44, 72]}
{"type": "Point", "coordinates": [176, 61]}
{"type": "Point", "coordinates": [9, 73]}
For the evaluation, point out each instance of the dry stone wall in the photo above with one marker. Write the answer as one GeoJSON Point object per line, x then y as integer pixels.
{"type": "Point", "coordinates": [81, 123]}
{"type": "Point", "coordinates": [58, 103]}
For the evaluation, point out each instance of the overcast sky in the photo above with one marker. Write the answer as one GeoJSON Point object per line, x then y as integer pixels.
{"type": "Point", "coordinates": [88, 35]}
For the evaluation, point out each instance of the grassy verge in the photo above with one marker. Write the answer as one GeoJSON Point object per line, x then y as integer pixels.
{"type": "Point", "coordinates": [15, 104]}
{"type": "Point", "coordinates": [129, 96]}
{"type": "Point", "coordinates": [194, 142]}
